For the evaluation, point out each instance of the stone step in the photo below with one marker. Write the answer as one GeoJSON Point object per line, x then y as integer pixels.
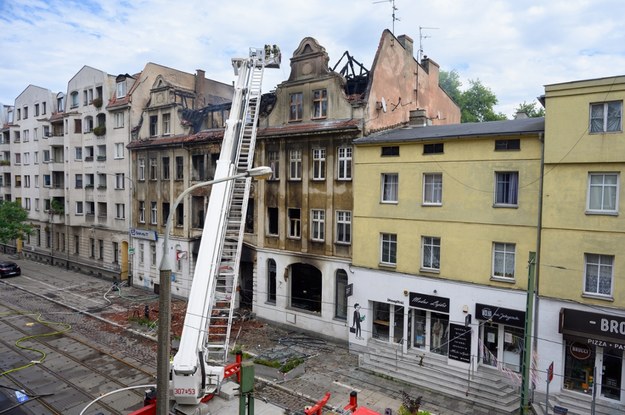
{"type": "Point", "coordinates": [486, 389]}
{"type": "Point", "coordinates": [576, 404]}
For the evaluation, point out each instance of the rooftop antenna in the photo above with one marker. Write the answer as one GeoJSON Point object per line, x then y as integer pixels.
{"type": "Point", "coordinates": [421, 37]}
{"type": "Point", "coordinates": [393, 8]}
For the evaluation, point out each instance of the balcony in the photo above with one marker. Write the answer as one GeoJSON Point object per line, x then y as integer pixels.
{"type": "Point", "coordinates": [56, 165]}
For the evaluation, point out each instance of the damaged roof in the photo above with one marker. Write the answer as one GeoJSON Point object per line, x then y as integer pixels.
{"type": "Point", "coordinates": [522, 126]}
{"type": "Point", "coordinates": [203, 137]}
{"type": "Point", "coordinates": [307, 128]}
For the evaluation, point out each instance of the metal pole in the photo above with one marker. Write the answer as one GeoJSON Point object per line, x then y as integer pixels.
{"type": "Point", "coordinates": [547, 399]}
{"type": "Point", "coordinates": [529, 316]}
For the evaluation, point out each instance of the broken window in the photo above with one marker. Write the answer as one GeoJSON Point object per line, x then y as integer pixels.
{"type": "Point", "coordinates": [295, 230]}
{"type": "Point", "coordinates": [305, 287]}
{"type": "Point", "coordinates": [320, 103]}
{"type": "Point", "coordinates": [153, 125]}
{"type": "Point", "coordinates": [179, 168]}
{"type": "Point", "coordinates": [272, 221]}
{"type": "Point", "coordinates": [198, 167]}
{"type": "Point", "coordinates": [180, 215]}
{"type": "Point", "coordinates": [197, 211]}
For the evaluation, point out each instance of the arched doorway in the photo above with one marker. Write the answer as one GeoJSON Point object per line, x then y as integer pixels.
{"type": "Point", "coordinates": [306, 285]}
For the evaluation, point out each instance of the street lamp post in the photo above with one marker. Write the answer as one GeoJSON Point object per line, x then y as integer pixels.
{"type": "Point", "coordinates": [164, 297]}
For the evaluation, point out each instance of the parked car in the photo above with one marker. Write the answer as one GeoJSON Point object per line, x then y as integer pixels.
{"type": "Point", "coordinates": [9, 269]}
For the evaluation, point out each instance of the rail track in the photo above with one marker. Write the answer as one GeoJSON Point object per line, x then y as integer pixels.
{"type": "Point", "coordinates": [59, 371]}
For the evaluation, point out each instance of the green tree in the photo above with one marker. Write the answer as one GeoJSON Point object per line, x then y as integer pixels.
{"type": "Point", "coordinates": [13, 222]}
{"type": "Point", "coordinates": [476, 103]}
{"type": "Point", "coordinates": [530, 110]}
{"type": "Point", "coordinates": [450, 82]}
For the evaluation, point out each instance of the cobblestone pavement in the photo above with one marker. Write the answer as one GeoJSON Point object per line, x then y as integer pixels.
{"type": "Point", "coordinates": [329, 367]}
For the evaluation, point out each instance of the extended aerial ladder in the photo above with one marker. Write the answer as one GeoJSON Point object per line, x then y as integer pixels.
{"type": "Point", "coordinates": [198, 366]}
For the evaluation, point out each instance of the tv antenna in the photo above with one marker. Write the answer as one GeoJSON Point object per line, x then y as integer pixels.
{"type": "Point", "coordinates": [393, 8]}
{"type": "Point", "coordinates": [421, 37]}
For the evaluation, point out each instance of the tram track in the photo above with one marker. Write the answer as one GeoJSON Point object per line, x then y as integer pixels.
{"type": "Point", "coordinates": [75, 371]}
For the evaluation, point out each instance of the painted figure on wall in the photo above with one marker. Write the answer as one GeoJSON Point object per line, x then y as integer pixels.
{"type": "Point", "coordinates": [356, 322]}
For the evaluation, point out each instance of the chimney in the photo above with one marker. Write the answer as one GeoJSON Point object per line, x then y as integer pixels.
{"type": "Point", "coordinates": [418, 118]}
{"type": "Point", "coordinates": [199, 88]}
{"type": "Point", "coordinates": [407, 43]}
{"type": "Point", "coordinates": [520, 115]}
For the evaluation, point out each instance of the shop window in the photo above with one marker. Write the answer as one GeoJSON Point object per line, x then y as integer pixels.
{"type": "Point", "coordinates": [381, 321]}
{"type": "Point", "coordinates": [305, 287]}
{"type": "Point", "coordinates": [419, 322]}
{"type": "Point", "coordinates": [271, 281]}
{"type": "Point", "coordinates": [579, 364]}
{"type": "Point", "coordinates": [439, 333]}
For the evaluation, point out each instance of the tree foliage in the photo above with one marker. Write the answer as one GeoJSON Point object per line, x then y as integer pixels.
{"type": "Point", "coordinates": [13, 222]}
{"type": "Point", "coordinates": [476, 103]}
{"type": "Point", "coordinates": [530, 109]}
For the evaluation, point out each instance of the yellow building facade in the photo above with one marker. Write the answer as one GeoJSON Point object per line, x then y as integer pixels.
{"type": "Point", "coordinates": [581, 288]}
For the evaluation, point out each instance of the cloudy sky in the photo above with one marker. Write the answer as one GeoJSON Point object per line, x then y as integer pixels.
{"type": "Point", "coordinates": [514, 47]}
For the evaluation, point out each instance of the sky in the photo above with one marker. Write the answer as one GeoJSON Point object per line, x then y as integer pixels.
{"type": "Point", "coordinates": [514, 47]}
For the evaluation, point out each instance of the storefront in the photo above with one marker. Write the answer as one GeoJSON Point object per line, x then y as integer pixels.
{"type": "Point", "coordinates": [500, 339]}
{"type": "Point", "coordinates": [429, 323]}
{"type": "Point", "coordinates": [594, 345]}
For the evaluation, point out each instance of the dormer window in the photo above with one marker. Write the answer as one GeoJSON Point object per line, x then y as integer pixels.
{"type": "Point", "coordinates": [320, 103]}
{"type": "Point", "coordinates": [121, 88]}
{"type": "Point", "coordinates": [295, 113]}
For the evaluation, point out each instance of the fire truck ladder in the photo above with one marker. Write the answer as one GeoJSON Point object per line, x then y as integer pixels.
{"type": "Point", "coordinates": [224, 293]}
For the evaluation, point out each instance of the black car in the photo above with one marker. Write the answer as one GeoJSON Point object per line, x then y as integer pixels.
{"type": "Point", "coordinates": [9, 269]}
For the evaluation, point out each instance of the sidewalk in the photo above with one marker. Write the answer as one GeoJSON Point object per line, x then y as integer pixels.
{"type": "Point", "coordinates": [329, 367]}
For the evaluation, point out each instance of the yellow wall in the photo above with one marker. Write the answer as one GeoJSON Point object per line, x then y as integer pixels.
{"type": "Point", "coordinates": [467, 222]}
{"type": "Point", "coordinates": [571, 153]}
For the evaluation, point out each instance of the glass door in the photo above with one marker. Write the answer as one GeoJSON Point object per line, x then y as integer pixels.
{"type": "Point", "coordinates": [418, 317]}
{"type": "Point", "coordinates": [611, 378]}
{"type": "Point", "coordinates": [398, 324]}
{"type": "Point", "coordinates": [490, 340]}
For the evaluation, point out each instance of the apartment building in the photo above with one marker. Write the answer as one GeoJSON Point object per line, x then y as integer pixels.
{"type": "Point", "coordinates": [304, 226]}
{"type": "Point", "coordinates": [178, 125]}
{"type": "Point", "coordinates": [6, 120]}
{"type": "Point", "coordinates": [581, 303]}
{"type": "Point", "coordinates": [445, 219]}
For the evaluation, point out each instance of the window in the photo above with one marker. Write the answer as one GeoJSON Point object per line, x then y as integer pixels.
{"type": "Point", "coordinates": [431, 253]}
{"type": "Point", "coordinates": [165, 209]}
{"type": "Point", "coordinates": [153, 254]}
{"type": "Point", "coordinates": [120, 179]}
{"type": "Point", "coordinates": [390, 151]}
{"type": "Point", "coordinates": [36, 110]}
{"type": "Point", "coordinates": [320, 103]}
{"type": "Point", "coordinates": [119, 150]}
{"type": "Point", "coordinates": [433, 189]}
{"type": "Point", "coordinates": [26, 180]}
{"type": "Point", "coordinates": [79, 208]}
{"type": "Point", "coordinates": [153, 167]}
{"type": "Point", "coordinates": [295, 165]}
{"type": "Point", "coordinates": [115, 253]}
{"type": "Point", "coordinates": [165, 168]}
{"type": "Point", "coordinates": [74, 99]}
{"type": "Point", "coordinates": [120, 211]}
{"type": "Point", "coordinates": [318, 225]}
{"type": "Point", "coordinates": [388, 249]}
{"type": "Point", "coordinates": [506, 188]}
{"type": "Point", "coordinates": [153, 125]}
{"type": "Point", "coordinates": [598, 274]}
{"type": "Point", "coordinates": [390, 187]}
{"type": "Point", "coordinates": [26, 136]}
{"type": "Point", "coordinates": [102, 210]}
{"type": "Point", "coordinates": [18, 181]}
{"type": "Point", "coordinates": [25, 113]}
{"type": "Point", "coordinates": [340, 295]}
{"type": "Point", "coordinates": [435, 148]}
{"type": "Point", "coordinates": [502, 145]}
{"type": "Point", "coordinates": [166, 123]}
{"type": "Point", "coordinates": [343, 227]}
{"type": "Point", "coordinates": [295, 113]}
{"type": "Point", "coordinates": [273, 157]}
{"type": "Point", "coordinates": [272, 221]}
{"type": "Point", "coordinates": [27, 203]}
{"type": "Point", "coordinates": [271, 281]}
{"type": "Point", "coordinates": [606, 117]}
{"type": "Point", "coordinates": [179, 168]}
{"type": "Point", "coordinates": [319, 163]}
{"type": "Point", "coordinates": [344, 163]}
{"type": "Point", "coordinates": [78, 180]}
{"type": "Point", "coordinates": [121, 89]}
{"type": "Point", "coordinates": [503, 260]}
{"type": "Point", "coordinates": [92, 246]}
{"type": "Point", "coordinates": [141, 253]}
{"type": "Point", "coordinates": [36, 157]}
{"type": "Point", "coordinates": [119, 119]}
{"type": "Point", "coordinates": [294, 223]}
{"type": "Point", "coordinates": [77, 153]}
{"type": "Point", "coordinates": [141, 211]}
{"type": "Point", "coordinates": [18, 158]}
{"type": "Point", "coordinates": [603, 193]}
{"type": "Point", "coordinates": [180, 214]}
{"type": "Point", "coordinates": [153, 213]}
{"type": "Point", "coordinates": [141, 170]}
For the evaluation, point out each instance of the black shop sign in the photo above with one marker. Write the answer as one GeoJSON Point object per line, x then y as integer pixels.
{"type": "Point", "coordinates": [429, 302]}
{"type": "Point", "coordinates": [500, 315]}
{"type": "Point", "coordinates": [595, 327]}
{"type": "Point", "coordinates": [459, 343]}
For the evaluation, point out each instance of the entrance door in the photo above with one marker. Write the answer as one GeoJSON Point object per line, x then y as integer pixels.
{"type": "Point", "coordinates": [490, 341]}
{"type": "Point", "coordinates": [611, 378]}
{"type": "Point", "coordinates": [398, 326]}
{"type": "Point", "coordinates": [123, 276]}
